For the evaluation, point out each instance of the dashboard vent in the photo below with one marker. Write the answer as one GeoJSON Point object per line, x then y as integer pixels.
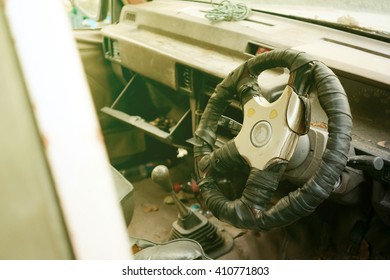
{"type": "Point", "coordinates": [185, 78]}
{"type": "Point", "coordinates": [254, 48]}
{"type": "Point", "coordinates": [111, 49]}
{"type": "Point", "coordinates": [130, 16]}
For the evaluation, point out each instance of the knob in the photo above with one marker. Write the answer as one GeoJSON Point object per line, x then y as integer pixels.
{"type": "Point", "coordinates": [160, 175]}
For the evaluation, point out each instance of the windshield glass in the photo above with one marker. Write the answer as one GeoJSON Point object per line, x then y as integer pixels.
{"type": "Point", "coordinates": [367, 16]}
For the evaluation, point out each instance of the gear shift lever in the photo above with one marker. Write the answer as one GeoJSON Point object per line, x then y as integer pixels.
{"type": "Point", "coordinates": [160, 175]}
{"type": "Point", "coordinates": [192, 225]}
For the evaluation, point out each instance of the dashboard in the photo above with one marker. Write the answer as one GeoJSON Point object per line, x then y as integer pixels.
{"type": "Point", "coordinates": [175, 48]}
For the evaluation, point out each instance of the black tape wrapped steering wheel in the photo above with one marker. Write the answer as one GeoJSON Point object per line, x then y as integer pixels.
{"type": "Point", "coordinates": [268, 137]}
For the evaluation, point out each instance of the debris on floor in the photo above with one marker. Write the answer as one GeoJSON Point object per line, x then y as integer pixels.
{"type": "Point", "coordinates": [149, 207]}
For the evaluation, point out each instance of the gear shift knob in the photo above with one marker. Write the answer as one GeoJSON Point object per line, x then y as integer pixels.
{"type": "Point", "coordinates": [160, 175]}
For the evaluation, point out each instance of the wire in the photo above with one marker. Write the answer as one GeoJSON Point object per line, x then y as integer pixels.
{"type": "Point", "coordinates": [227, 11]}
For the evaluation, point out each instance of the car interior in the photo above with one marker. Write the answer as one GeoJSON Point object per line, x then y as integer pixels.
{"type": "Point", "coordinates": [265, 137]}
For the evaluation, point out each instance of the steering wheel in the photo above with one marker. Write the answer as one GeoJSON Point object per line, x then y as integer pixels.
{"type": "Point", "coordinates": [267, 140]}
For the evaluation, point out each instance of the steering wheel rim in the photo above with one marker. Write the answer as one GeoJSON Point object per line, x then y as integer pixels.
{"type": "Point", "coordinates": [250, 210]}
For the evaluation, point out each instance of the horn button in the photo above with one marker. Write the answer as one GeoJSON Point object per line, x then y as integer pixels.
{"type": "Point", "coordinates": [270, 131]}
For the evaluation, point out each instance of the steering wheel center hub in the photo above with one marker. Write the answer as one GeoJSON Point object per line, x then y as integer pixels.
{"type": "Point", "coordinates": [269, 131]}
{"type": "Point", "coordinates": [261, 133]}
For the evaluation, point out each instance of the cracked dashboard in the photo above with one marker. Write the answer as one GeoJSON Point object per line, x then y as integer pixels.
{"type": "Point", "coordinates": [173, 45]}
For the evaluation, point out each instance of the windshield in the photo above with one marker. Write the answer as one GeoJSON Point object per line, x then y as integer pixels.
{"type": "Point", "coordinates": [366, 16]}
